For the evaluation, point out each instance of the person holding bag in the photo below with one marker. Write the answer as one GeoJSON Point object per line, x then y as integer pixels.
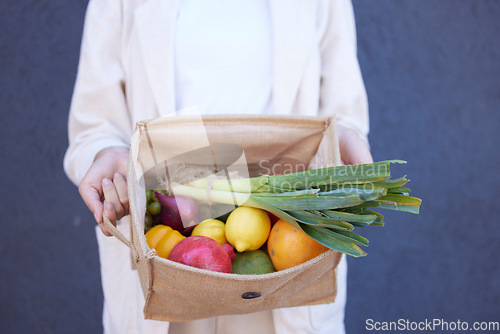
{"type": "Point", "coordinates": [142, 59]}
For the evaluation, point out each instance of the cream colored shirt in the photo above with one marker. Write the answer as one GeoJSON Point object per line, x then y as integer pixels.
{"type": "Point", "coordinates": [223, 56]}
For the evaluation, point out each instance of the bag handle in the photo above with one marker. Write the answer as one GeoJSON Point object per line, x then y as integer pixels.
{"type": "Point", "coordinates": [119, 235]}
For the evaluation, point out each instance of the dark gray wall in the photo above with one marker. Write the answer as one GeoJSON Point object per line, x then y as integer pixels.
{"type": "Point", "coordinates": [431, 70]}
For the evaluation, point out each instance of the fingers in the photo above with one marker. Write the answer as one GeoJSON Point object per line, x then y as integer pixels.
{"type": "Point", "coordinates": [353, 149]}
{"type": "Point", "coordinates": [103, 183]}
{"type": "Point", "coordinates": [122, 191]}
{"type": "Point", "coordinates": [105, 231]}
{"type": "Point", "coordinates": [92, 198]}
{"type": "Point", "coordinates": [356, 152]}
{"type": "Point", "coordinates": [109, 209]}
{"type": "Point", "coordinates": [91, 195]}
{"type": "Point", "coordinates": [115, 192]}
{"type": "Point", "coordinates": [110, 195]}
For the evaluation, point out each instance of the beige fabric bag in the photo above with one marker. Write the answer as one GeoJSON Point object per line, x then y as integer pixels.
{"type": "Point", "coordinates": [176, 292]}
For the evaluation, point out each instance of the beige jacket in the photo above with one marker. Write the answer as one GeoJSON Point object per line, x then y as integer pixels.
{"type": "Point", "coordinates": [126, 70]}
{"type": "Point", "coordinates": [126, 75]}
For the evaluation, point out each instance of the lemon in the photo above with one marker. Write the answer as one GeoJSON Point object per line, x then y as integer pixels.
{"type": "Point", "coordinates": [247, 228]}
{"type": "Point", "coordinates": [211, 228]}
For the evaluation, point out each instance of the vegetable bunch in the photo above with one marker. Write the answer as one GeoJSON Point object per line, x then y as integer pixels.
{"type": "Point", "coordinates": [326, 203]}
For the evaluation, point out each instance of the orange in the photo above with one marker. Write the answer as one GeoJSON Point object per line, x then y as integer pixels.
{"type": "Point", "coordinates": [288, 246]}
{"type": "Point", "coordinates": [168, 242]}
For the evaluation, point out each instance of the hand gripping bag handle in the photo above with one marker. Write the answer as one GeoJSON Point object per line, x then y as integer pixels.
{"type": "Point", "coordinates": [107, 223]}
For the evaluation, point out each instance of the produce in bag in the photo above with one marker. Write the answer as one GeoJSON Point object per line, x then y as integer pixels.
{"type": "Point", "coordinates": [326, 203]}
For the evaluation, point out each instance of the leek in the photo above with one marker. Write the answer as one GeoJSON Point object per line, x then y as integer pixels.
{"type": "Point", "coordinates": [326, 203]}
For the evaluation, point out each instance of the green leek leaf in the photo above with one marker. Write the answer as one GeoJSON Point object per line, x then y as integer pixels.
{"type": "Point", "coordinates": [317, 220]}
{"type": "Point", "coordinates": [331, 240]}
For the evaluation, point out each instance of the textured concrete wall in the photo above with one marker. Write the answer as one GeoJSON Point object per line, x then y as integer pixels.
{"type": "Point", "coordinates": [49, 270]}
{"type": "Point", "coordinates": [431, 70]}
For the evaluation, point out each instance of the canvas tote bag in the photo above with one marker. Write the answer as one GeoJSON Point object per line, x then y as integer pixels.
{"type": "Point", "coordinates": [271, 143]}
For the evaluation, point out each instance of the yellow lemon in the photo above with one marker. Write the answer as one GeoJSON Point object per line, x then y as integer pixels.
{"type": "Point", "coordinates": [247, 228]}
{"type": "Point", "coordinates": [154, 235]}
{"type": "Point", "coordinates": [168, 242]}
{"type": "Point", "coordinates": [211, 228]}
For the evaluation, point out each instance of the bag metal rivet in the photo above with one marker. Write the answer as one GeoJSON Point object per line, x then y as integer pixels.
{"type": "Point", "coordinates": [250, 295]}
